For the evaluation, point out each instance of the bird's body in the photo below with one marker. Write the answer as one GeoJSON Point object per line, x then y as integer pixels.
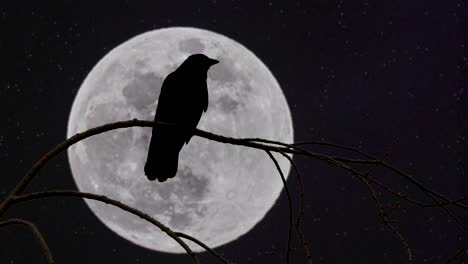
{"type": "Point", "coordinates": [183, 99]}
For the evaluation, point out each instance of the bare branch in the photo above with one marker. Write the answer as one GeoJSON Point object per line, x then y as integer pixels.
{"type": "Point", "coordinates": [457, 256]}
{"type": "Point", "coordinates": [38, 165]}
{"type": "Point", "coordinates": [335, 161]}
{"type": "Point", "coordinates": [410, 178]}
{"type": "Point", "coordinates": [292, 148]}
{"type": "Point", "coordinates": [37, 235]}
{"type": "Point", "coordinates": [386, 222]}
{"type": "Point", "coordinates": [288, 251]}
{"type": "Point", "coordinates": [41, 195]}
{"type": "Point", "coordinates": [248, 142]}
{"type": "Point", "coordinates": [333, 145]}
{"type": "Point", "coordinates": [300, 214]}
{"type": "Point", "coordinates": [263, 144]}
{"type": "Point", "coordinates": [366, 179]}
{"type": "Point", "coordinates": [201, 244]}
{"type": "Point", "coordinates": [426, 190]}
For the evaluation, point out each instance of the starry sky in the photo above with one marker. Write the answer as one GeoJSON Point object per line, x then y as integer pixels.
{"type": "Point", "coordinates": [380, 76]}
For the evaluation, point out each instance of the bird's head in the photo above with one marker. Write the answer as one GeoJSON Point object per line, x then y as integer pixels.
{"type": "Point", "coordinates": [200, 61]}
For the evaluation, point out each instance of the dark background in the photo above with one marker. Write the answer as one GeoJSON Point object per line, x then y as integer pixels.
{"type": "Point", "coordinates": [358, 73]}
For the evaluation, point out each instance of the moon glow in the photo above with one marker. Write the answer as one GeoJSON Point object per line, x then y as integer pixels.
{"type": "Point", "coordinates": [220, 191]}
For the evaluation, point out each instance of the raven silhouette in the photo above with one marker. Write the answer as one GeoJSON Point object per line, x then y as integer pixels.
{"type": "Point", "coordinates": [183, 99]}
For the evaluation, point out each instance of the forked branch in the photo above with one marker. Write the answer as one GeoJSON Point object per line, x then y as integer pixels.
{"type": "Point", "coordinates": [269, 146]}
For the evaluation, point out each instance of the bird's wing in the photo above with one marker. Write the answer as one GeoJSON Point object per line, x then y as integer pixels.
{"type": "Point", "coordinates": [197, 104]}
{"type": "Point", "coordinates": [182, 100]}
{"type": "Point", "coordinates": [167, 101]}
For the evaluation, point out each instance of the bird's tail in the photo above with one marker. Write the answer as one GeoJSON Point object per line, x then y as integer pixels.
{"type": "Point", "coordinates": [161, 163]}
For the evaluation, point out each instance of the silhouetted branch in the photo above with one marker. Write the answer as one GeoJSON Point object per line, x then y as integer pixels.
{"type": "Point", "coordinates": [383, 216]}
{"type": "Point", "coordinates": [300, 213]}
{"type": "Point", "coordinates": [257, 143]}
{"type": "Point", "coordinates": [338, 161]}
{"type": "Point", "coordinates": [451, 214]}
{"type": "Point", "coordinates": [387, 223]}
{"type": "Point", "coordinates": [38, 165]}
{"type": "Point", "coordinates": [37, 235]}
{"type": "Point", "coordinates": [333, 145]}
{"type": "Point", "coordinates": [410, 178]}
{"type": "Point", "coordinates": [248, 142]}
{"type": "Point", "coordinates": [201, 244]}
{"type": "Point", "coordinates": [288, 250]}
{"type": "Point", "coordinates": [457, 256]}
{"type": "Point", "coordinates": [41, 195]}
{"type": "Point", "coordinates": [364, 178]}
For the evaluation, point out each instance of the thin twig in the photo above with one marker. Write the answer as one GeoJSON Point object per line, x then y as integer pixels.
{"type": "Point", "coordinates": [38, 165]}
{"type": "Point", "coordinates": [365, 178]}
{"type": "Point", "coordinates": [300, 214]}
{"type": "Point", "coordinates": [41, 195]}
{"type": "Point", "coordinates": [387, 223]}
{"type": "Point", "coordinates": [336, 161]}
{"type": "Point", "coordinates": [383, 216]}
{"type": "Point", "coordinates": [288, 251]}
{"type": "Point", "coordinates": [292, 148]}
{"type": "Point", "coordinates": [201, 244]}
{"type": "Point", "coordinates": [410, 178]}
{"type": "Point", "coordinates": [457, 255]}
{"type": "Point", "coordinates": [262, 144]}
{"type": "Point", "coordinates": [37, 235]}
{"type": "Point", "coordinates": [451, 214]}
{"type": "Point", "coordinates": [287, 148]}
{"type": "Point", "coordinates": [333, 145]}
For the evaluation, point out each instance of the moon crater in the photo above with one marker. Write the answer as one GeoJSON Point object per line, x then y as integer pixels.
{"type": "Point", "coordinates": [140, 92]}
{"type": "Point", "coordinates": [192, 46]}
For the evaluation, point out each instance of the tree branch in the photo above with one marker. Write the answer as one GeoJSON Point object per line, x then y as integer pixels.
{"type": "Point", "coordinates": [300, 213]}
{"type": "Point", "coordinates": [262, 144]}
{"type": "Point", "coordinates": [457, 256]}
{"type": "Point", "coordinates": [387, 223]}
{"type": "Point", "coordinates": [288, 250]}
{"type": "Point", "coordinates": [37, 235]}
{"type": "Point", "coordinates": [201, 244]}
{"type": "Point", "coordinates": [41, 195]}
{"type": "Point", "coordinates": [38, 165]}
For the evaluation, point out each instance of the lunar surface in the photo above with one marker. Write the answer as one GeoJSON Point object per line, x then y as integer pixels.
{"type": "Point", "coordinates": [220, 191]}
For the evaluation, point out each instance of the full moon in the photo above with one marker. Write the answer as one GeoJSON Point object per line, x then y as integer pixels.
{"type": "Point", "coordinates": [220, 191]}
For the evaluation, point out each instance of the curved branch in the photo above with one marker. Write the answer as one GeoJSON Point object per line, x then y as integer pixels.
{"type": "Point", "coordinates": [386, 222]}
{"type": "Point", "coordinates": [201, 244]}
{"type": "Point", "coordinates": [35, 231]}
{"type": "Point", "coordinates": [41, 195]}
{"type": "Point", "coordinates": [337, 161]}
{"type": "Point", "coordinates": [38, 165]}
{"type": "Point", "coordinates": [333, 145]}
{"type": "Point", "coordinates": [248, 142]}
{"type": "Point", "coordinates": [257, 143]}
{"type": "Point", "coordinates": [288, 251]}
{"type": "Point", "coordinates": [457, 256]}
{"type": "Point", "coordinates": [410, 178]}
{"type": "Point", "coordinates": [300, 214]}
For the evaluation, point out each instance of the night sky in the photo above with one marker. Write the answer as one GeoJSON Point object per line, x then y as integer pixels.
{"type": "Point", "coordinates": [380, 76]}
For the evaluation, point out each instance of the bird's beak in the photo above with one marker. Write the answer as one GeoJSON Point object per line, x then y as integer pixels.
{"type": "Point", "coordinates": [213, 62]}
